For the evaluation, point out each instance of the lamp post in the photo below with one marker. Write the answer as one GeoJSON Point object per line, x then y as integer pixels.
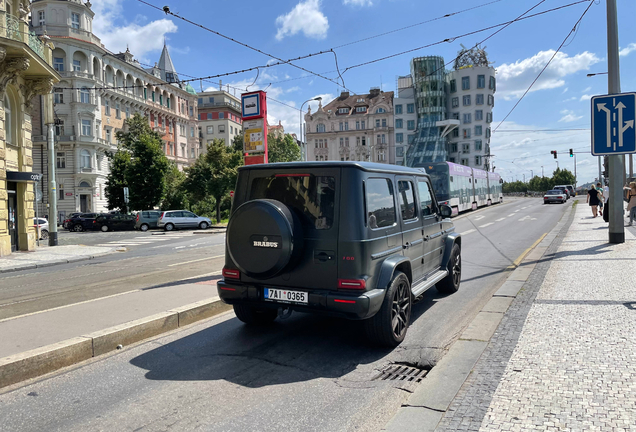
{"type": "Point", "coordinates": [557, 162]}
{"type": "Point", "coordinates": [49, 120]}
{"type": "Point", "coordinates": [303, 141]}
{"type": "Point", "coordinates": [541, 171]}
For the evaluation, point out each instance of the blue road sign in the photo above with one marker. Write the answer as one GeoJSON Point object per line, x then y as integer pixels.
{"type": "Point", "coordinates": [613, 118]}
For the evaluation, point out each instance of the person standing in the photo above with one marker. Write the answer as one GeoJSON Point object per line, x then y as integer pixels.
{"type": "Point", "coordinates": [631, 203]}
{"type": "Point", "coordinates": [601, 198]}
{"type": "Point", "coordinates": [593, 200]}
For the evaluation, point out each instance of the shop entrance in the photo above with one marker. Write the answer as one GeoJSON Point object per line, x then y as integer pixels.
{"type": "Point", "coordinates": [13, 216]}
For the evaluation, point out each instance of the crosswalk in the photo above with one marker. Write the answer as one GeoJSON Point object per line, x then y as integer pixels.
{"type": "Point", "coordinates": [146, 240]}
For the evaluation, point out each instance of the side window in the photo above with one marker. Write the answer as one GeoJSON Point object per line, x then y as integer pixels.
{"type": "Point", "coordinates": [426, 199]}
{"type": "Point", "coordinates": [380, 203]}
{"type": "Point", "coordinates": [188, 214]}
{"type": "Point", "coordinates": [407, 200]}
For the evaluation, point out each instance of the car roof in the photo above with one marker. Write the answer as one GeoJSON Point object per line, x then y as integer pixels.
{"type": "Point", "coordinates": [365, 166]}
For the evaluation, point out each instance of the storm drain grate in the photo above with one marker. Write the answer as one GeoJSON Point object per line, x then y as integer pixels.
{"type": "Point", "coordinates": [404, 373]}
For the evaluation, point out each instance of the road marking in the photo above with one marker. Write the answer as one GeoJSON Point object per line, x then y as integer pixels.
{"type": "Point", "coordinates": [196, 260]}
{"type": "Point", "coordinates": [527, 218]}
{"type": "Point", "coordinates": [179, 247]}
{"type": "Point", "coordinates": [479, 217]}
{"type": "Point", "coordinates": [516, 262]}
{"type": "Point", "coordinates": [516, 211]}
{"type": "Point", "coordinates": [488, 224]}
{"type": "Point", "coordinates": [467, 232]}
{"type": "Point", "coordinates": [500, 219]}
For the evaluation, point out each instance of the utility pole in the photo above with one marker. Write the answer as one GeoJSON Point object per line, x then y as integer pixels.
{"type": "Point", "coordinates": [49, 120]}
{"type": "Point", "coordinates": [542, 171]}
{"type": "Point", "coordinates": [616, 167]}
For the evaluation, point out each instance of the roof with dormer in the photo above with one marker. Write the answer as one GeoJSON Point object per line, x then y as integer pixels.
{"type": "Point", "coordinates": [165, 65]}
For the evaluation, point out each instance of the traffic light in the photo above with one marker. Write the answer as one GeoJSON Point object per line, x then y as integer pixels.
{"type": "Point", "coordinates": [571, 153]}
{"type": "Point", "coordinates": [554, 153]}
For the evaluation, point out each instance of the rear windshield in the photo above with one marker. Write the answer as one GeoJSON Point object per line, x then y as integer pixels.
{"type": "Point", "coordinates": [311, 197]}
{"type": "Point", "coordinates": [555, 192]}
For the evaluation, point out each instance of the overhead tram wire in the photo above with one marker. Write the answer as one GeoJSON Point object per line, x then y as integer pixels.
{"type": "Point", "coordinates": [546, 65]}
{"type": "Point", "coordinates": [167, 11]}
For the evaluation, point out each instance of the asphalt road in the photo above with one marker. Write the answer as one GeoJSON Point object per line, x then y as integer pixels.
{"type": "Point", "coordinates": [305, 373]}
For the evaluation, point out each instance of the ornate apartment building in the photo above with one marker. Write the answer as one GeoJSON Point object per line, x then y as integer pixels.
{"type": "Point", "coordinates": [25, 71]}
{"type": "Point", "coordinates": [98, 92]}
{"type": "Point", "coordinates": [358, 127]}
{"type": "Point", "coordinates": [219, 116]}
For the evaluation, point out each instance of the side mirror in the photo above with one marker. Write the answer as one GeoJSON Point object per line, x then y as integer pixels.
{"type": "Point", "coordinates": [445, 211]}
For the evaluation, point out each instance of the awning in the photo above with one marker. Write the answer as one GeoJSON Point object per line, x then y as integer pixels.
{"type": "Point", "coordinates": [23, 177]}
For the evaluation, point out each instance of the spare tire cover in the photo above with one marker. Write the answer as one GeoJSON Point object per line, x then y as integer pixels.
{"type": "Point", "coordinates": [263, 238]}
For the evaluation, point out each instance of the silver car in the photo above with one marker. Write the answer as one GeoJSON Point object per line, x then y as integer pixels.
{"type": "Point", "coordinates": [179, 219]}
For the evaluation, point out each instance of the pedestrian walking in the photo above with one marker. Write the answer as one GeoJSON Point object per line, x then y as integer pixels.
{"type": "Point", "coordinates": [601, 198]}
{"type": "Point", "coordinates": [593, 200]}
{"type": "Point", "coordinates": [631, 203]}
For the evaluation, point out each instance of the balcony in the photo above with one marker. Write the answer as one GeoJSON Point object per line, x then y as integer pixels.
{"type": "Point", "coordinates": [230, 104]}
{"type": "Point", "coordinates": [161, 130]}
{"type": "Point", "coordinates": [75, 74]}
{"type": "Point", "coordinates": [16, 32]}
{"type": "Point", "coordinates": [55, 30]}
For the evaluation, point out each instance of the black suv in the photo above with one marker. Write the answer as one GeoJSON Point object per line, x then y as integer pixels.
{"type": "Point", "coordinates": [357, 240]}
{"type": "Point", "coordinates": [82, 222]}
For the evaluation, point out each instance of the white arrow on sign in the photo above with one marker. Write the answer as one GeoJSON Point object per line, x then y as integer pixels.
{"type": "Point", "coordinates": [621, 128]}
{"type": "Point", "coordinates": [601, 106]}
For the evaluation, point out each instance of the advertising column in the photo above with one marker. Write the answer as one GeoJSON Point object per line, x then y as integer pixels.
{"type": "Point", "coordinates": [254, 109]}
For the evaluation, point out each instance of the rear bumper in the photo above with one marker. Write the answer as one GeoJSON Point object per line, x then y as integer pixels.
{"type": "Point", "coordinates": [346, 305]}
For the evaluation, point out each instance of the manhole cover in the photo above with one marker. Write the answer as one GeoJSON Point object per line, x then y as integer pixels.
{"type": "Point", "coordinates": [398, 372]}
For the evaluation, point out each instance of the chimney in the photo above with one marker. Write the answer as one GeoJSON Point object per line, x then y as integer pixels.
{"type": "Point", "coordinates": [221, 85]}
{"type": "Point", "coordinates": [344, 95]}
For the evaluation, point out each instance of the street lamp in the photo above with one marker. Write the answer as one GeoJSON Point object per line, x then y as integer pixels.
{"type": "Point", "coordinates": [597, 73]}
{"type": "Point", "coordinates": [303, 141]}
{"type": "Point", "coordinates": [557, 162]}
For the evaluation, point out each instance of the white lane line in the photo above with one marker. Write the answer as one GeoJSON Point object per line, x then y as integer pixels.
{"type": "Point", "coordinates": [125, 244]}
{"type": "Point", "coordinates": [467, 232]}
{"type": "Point", "coordinates": [179, 247]}
{"type": "Point", "coordinates": [511, 214]}
{"type": "Point", "coordinates": [196, 260]}
{"type": "Point", "coordinates": [500, 219]}
{"type": "Point", "coordinates": [479, 217]}
{"type": "Point", "coordinates": [488, 224]}
{"type": "Point", "coordinates": [516, 211]}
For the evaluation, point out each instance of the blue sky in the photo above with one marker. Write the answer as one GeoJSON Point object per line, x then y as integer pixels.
{"type": "Point", "coordinates": [292, 28]}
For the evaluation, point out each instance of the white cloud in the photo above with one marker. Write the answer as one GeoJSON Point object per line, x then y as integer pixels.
{"type": "Point", "coordinates": [569, 116]}
{"type": "Point", "coordinates": [587, 90]}
{"type": "Point", "coordinates": [358, 2]}
{"type": "Point", "coordinates": [515, 78]}
{"type": "Point", "coordinates": [627, 50]}
{"type": "Point", "coordinates": [306, 17]}
{"type": "Point", "coordinates": [140, 37]}
{"type": "Point", "coordinates": [585, 97]}
{"type": "Point", "coordinates": [571, 99]}
{"type": "Point", "coordinates": [565, 90]}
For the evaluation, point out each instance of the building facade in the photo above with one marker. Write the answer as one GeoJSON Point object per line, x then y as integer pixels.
{"type": "Point", "coordinates": [405, 118]}
{"type": "Point", "coordinates": [358, 127]}
{"type": "Point", "coordinates": [25, 71]}
{"type": "Point", "coordinates": [220, 117]}
{"type": "Point", "coordinates": [98, 92]}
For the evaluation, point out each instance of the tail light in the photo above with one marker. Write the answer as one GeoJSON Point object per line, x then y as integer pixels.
{"type": "Point", "coordinates": [352, 284]}
{"type": "Point", "coordinates": [231, 273]}
{"type": "Point", "coordinates": [161, 216]}
{"type": "Point", "coordinates": [137, 217]}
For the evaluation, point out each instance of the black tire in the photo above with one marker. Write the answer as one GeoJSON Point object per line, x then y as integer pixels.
{"type": "Point", "coordinates": [144, 227]}
{"type": "Point", "coordinates": [388, 327]}
{"type": "Point", "coordinates": [253, 316]}
{"type": "Point", "coordinates": [78, 228]}
{"type": "Point", "coordinates": [450, 284]}
{"type": "Point", "coordinates": [104, 228]}
{"type": "Point", "coordinates": [169, 227]}
{"type": "Point", "coordinates": [203, 225]}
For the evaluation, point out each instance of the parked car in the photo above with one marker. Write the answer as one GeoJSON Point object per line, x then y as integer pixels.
{"type": "Point", "coordinates": [114, 222]}
{"type": "Point", "coordinates": [68, 219]}
{"type": "Point", "coordinates": [571, 190]}
{"type": "Point", "coordinates": [178, 219]}
{"type": "Point", "coordinates": [82, 222]}
{"type": "Point", "coordinates": [42, 227]}
{"type": "Point", "coordinates": [565, 189]}
{"type": "Point", "coordinates": [291, 246]}
{"type": "Point", "coordinates": [147, 219]}
{"type": "Point", "coordinates": [555, 195]}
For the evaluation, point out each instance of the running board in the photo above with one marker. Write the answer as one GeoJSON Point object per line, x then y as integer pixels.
{"type": "Point", "coordinates": [427, 283]}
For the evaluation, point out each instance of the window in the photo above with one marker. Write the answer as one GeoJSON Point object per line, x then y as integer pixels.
{"type": "Point", "coordinates": [478, 130]}
{"type": "Point", "coordinates": [455, 116]}
{"type": "Point", "coordinates": [477, 160]}
{"type": "Point", "coordinates": [399, 124]}
{"type": "Point", "coordinates": [231, 129]}
{"type": "Point", "coordinates": [360, 110]}
{"type": "Point", "coordinates": [478, 146]}
{"type": "Point", "coordinates": [463, 161]}
{"type": "Point", "coordinates": [343, 110]}
{"type": "Point", "coordinates": [466, 83]}
{"type": "Point", "coordinates": [161, 100]}
{"type": "Point", "coordinates": [492, 85]}
{"type": "Point", "coordinates": [59, 128]}
{"type": "Point", "coordinates": [58, 96]}
{"type": "Point", "coordinates": [426, 198]}
{"type": "Point", "coordinates": [320, 127]}
{"type": "Point", "coordinates": [182, 151]}
{"type": "Point", "coordinates": [153, 96]}
{"type": "Point", "coordinates": [399, 151]}
{"type": "Point", "coordinates": [488, 117]}
{"type": "Point", "coordinates": [108, 136]}
{"type": "Point", "coordinates": [341, 126]}
{"type": "Point", "coordinates": [221, 115]}
{"type": "Point", "coordinates": [491, 100]}
{"type": "Point", "coordinates": [58, 64]}
{"type": "Point", "coordinates": [411, 139]}
{"type": "Point", "coordinates": [465, 148]}
{"type": "Point", "coordinates": [380, 203]}
{"type": "Point", "coordinates": [364, 141]}
{"type": "Point", "coordinates": [453, 86]}
{"type": "Point", "coordinates": [466, 133]}
{"type": "Point", "coordinates": [192, 156]}
{"type": "Point", "coordinates": [380, 111]}
{"type": "Point", "coordinates": [168, 101]}
{"type": "Point", "coordinates": [455, 133]}
{"type": "Point", "coordinates": [466, 118]}
{"type": "Point", "coordinates": [221, 128]}
{"type": "Point", "coordinates": [479, 99]}
{"type": "Point", "coordinates": [85, 158]}
{"type": "Point", "coordinates": [383, 122]}
{"type": "Point", "coordinates": [75, 20]}
{"type": "Point", "coordinates": [487, 132]}
{"type": "Point", "coordinates": [77, 66]}
{"type": "Point", "coordinates": [377, 123]}
{"type": "Point", "coordinates": [346, 141]}
{"type": "Point", "coordinates": [209, 130]}
{"type": "Point", "coordinates": [61, 160]}
{"type": "Point", "coordinates": [406, 194]}
{"type": "Point", "coordinates": [481, 81]}
{"type": "Point", "coordinates": [118, 111]}
{"type": "Point", "coordinates": [145, 93]}
{"type": "Point", "coordinates": [362, 124]}
{"type": "Point", "coordinates": [128, 114]}
{"type": "Point", "coordinates": [466, 100]}
{"type": "Point", "coordinates": [86, 127]}
{"type": "Point", "coordinates": [341, 142]}
{"type": "Point", "coordinates": [399, 137]}
{"type": "Point", "coordinates": [398, 109]}
{"type": "Point", "coordinates": [479, 115]}
{"type": "Point", "coordinates": [455, 102]}
{"type": "Point", "coordinates": [410, 124]}
{"type": "Point", "coordinates": [61, 195]}
{"type": "Point", "coordinates": [191, 111]}
{"type": "Point", "coordinates": [453, 148]}
{"type": "Point", "coordinates": [41, 18]}
{"type": "Point", "coordinates": [381, 156]}
{"type": "Point", "coordinates": [107, 106]}
{"type": "Point", "coordinates": [169, 128]}
{"type": "Point", "coordinates": [170, 77]}
{"type": "Point", "coordinates": [410, 108]}
{"type": "Point", "coordinates": [84, 95]}
{"type": "Point", "coordinates": [192, 132]}
{"type": "Point", "coordinates": [383, 140]}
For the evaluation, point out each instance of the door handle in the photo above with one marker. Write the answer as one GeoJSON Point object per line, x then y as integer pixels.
{"type": "Point", "coordinates": [407, 245]}
{"type": "Point", "coordinates": [323, 257]}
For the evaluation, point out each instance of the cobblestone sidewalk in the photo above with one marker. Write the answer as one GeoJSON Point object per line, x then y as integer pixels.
{"type": "Point", "coordinates": [564, 356]}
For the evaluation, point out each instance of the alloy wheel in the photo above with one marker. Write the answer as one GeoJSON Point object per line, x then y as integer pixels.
{"type": "Point", "coordinates": [401, 309]}
{"type": "Point", "coordinates": [457, 269]}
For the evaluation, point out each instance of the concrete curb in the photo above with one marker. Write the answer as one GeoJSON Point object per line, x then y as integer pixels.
{"type": "Point", "coordinates": [426, 406]}
{"type": "Point", "coordinates": [54, 263]}
{"type": "Point", "coordinates": [40, 361]}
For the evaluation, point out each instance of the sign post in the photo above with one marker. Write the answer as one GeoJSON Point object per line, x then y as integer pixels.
{"type": "Point", "coordinates": [126, 198]}
{"type": "Point", "coordinates": [254, 111]}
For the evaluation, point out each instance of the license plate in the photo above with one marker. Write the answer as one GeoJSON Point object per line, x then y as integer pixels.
{"type": "Point", "coordinates": [285, 296]}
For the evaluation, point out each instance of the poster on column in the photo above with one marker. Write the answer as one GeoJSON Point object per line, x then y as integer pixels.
{"type": "Point", "coordinates": [253, 136]}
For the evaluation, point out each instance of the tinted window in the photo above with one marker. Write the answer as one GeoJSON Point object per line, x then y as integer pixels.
{"type": "Point", "coordinates": [311, 197]}
{"type": "Point", "coordinates": [188, 214]}
{"type": "Point", "coordinates": [426, 200]}
{"type": "Point", "coordinates": [407, 199]}
{"type": "Point", "coordinates": [380, 203]}
{"type": "Point", "coordinates": [145, 214]}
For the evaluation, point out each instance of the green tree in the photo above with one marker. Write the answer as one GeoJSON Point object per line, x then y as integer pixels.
{"type": "Point", "coordinates": [116, 179]}
{"type": "Point", "coordinates": [146, 171]}
{"type": "Point", "coordinates": [563, 177]}
{"type": "Point", "coordinates": [237, 143]}
{"type": "Point", "coordinates": [213, 174]}
{"type": "Point", "coordinates": [175, 195]}
{"type": "Point", "coordinates": [282, 149]}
